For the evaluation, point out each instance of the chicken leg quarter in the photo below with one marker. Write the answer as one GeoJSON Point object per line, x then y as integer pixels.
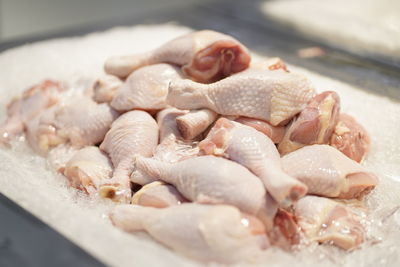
{"type": "Point", "coordinates": [267, 95]}
{"type": "Point", "coordinates": [205, 56]}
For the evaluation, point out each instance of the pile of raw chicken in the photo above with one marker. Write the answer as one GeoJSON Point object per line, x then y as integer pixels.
{"type": "Point", "coordinates": [212, 155]}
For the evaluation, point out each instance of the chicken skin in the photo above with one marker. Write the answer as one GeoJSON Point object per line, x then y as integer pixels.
{"type": "Point", "coordinates": [327, 172]}
{"type": "Point", "coordinates": [79, 121]}
{"type": "Point", "coordinates": [204, 56]}
{"type": "Point", "coordinates": [146, 88]}
{"type": "Point", "coordinates": [273, 96]}
{"type": "Point", "coordinates": [172, 147]}
{"type": "Point", "coordinates": [327, 221]}
{"type": "Point", "coordinates": [195, 122]}
{"type": "Point", "coordinates": [133, 133]}
{"type": "Point", "coordinates": [258, 153]}
{"type": "Point", "coordinates": [20, 111]}
{"type": "Point", "coordinates": [275, 133]}
{"type": "Point", "coordinates": [314, 125]}
{"type": "Point", "coordinates": [105, 88]}
{"type": "Point", "coordinates": [88, 169]}
{"type": "Point", "coordinates": [350, 138]}
{"type": "Point", "coordinates": [158, 195]}
{"type": "Point", "coordinates": [208, 233]}
{"type": "Point", "coordinates": [210, 180]}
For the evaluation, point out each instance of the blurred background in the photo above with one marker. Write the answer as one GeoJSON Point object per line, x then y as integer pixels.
{"type": "Point", "coordinates": [26, 18]}
{"type": "Point", "coordinates": [359, 26]}
{"type": "Point", "coordinates": [351, 40]}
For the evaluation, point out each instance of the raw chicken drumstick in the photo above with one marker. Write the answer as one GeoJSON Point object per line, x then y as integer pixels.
{"type": "Point", "coordinates": [327, 221]}
{"type": "Point", "coordinates": [20, 111]}
{"type": "Point", "coordinates": [328, 172]}
{"type": "Point", "coordinates": [88, 169]}
{"type": "Point", "coordinates": [258, 153]}
{"type": "Point", "coordinates": [268, 95]}
{"type": "Point", "coordinates": [105, 88]}
{"type": "Point", "coordinates": [211, 180]}
{"type": "Point", "coordinates": [146, 88]}
{"type": "Point", "coordinates": [350, 138]}
{"type": "Point", "coordinates": [208, 233]}
{"type": "Point", "coordinates": [172, 147]}
{"type": "Point", "coordinates": [134, 133]}
{"type": "Point", "coordinates": [79, 121]}
{"type": "Point", "coordinates": [275, 133]}
{"type": "Point", "coordinates": [205, 56]}
{"type": "Point", "coordinates": [195, 122]}
{"type": "Point", "coordinates": [166, 120]}
{"type": "Point", "coordinates": [158, 195]}
{"type": "Point", "coordinates": [314, 125]}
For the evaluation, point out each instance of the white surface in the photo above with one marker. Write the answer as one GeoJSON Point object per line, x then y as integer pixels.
{"type": "Point", "coordinates": [362, 26]}
{"type": "Point", "coordinates": [25, 179]}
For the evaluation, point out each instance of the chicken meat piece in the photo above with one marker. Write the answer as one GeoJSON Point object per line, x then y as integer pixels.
{"type": "Point", "coordinates": [256, 152]}
{"type": "Point", "coordinates": [210, 180]}
{"type": "Point", "coordinates": [275, 133]}
{"type": "Point", "coordinates": [328, 172]}
{"type": "Point", "coordinates": [272, 96]}
{"type": "Point", "coordinates": [158, 195]}
{"type": "Point", "coordinates": [146, 88]}
{"type": "Point", "coordinates": [195, 122]}
{"type": "Point", "coordinates": [274, 63]}
{"type": "Point", "coordinates": [286, 231]}
{"type": "Point", "coordinates": [314, 125]}
{"type": "Point", "coordinates": [58, 157]}
{"type": "Point", "coordinates": [133, 133]}
{"type": "Point", "coordinates": [327, 221]}
{"type": "Point", "coordinates": [350, 138]}
{"type": "Point", "coordinates": [208, 233]}
{"type": "Point", "coordinates": [204, 56]}
{"type": "Point", "coordinates": [173, 147]}
{"type": "Point", "coordinates": [79, 121]}
{"type": "Point", "coordinates": [105, 88]}
{"type": "Point", "coordinates": [166, 120]}
{"type": "Point", "coordinates": [88, 169]}
{"type": "Point", "coordinates": [22, 110]}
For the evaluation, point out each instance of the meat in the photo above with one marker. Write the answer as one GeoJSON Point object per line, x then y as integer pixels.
{"type": "Point", "coordinates": [88, 169]}
{"type": "Point", "coordinates": [275, 133]}
{"type": "Point", "coordinates": [20, 111]}
{"type": "Point", "coordinates": [158, 195]}
{"type": "Point", "coordinates": [327, 172]}
{"type": "Point", "coordinates": [258, 153]}
{"type": "Point", "coordinates": [195, 122]}
{"type": "Point", "coordinates": [205, 56]}
{"type": "Point", "coordinates": [210, 180]}
{"type": "Point", "coordinates": [267, 95]}
{"type": "Point", "coordinates": [270, 141]}
{"type": "Point", "coordinates": [327, 221]}
{"type": "Point", "coordinates": [78, 121]}
{"type": "Point", "coordinates": [146, 88]}
{"type": "Point", "coordinates": [172, 147]}
{"type": "Point", "coordinates": [105, 88]}
{"type": "Point", "coordinates": [208, 233]}
{"type": "Point", "coordinates": [134, 133]}
{"type": "Point", "coordinates": [350, 138]}
{"type": "Point", "coordinates": [274, 63]}
{"type": "Point", "coordinates": [166, 120]}
{"type": "Point", "coordinates": [314, 125]}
